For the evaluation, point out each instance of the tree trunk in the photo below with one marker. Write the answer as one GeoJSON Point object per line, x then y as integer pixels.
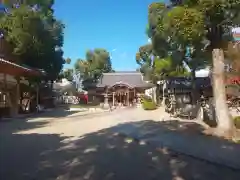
{"type": "Point", "coordinates": [224, 121]}
{"type": "Point", "coordinates": [194, 89]}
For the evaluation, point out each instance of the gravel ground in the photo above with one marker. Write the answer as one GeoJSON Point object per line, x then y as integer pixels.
{"type": "Point", "coordinates": [80, 149]}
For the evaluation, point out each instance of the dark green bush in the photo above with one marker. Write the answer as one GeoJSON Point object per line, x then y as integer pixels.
{"type": "Point", "coordinates": [236, 121]}
{"type": "Point", "coordinates": [149, 105]}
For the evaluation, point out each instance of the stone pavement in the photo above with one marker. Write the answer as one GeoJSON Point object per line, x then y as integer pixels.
{"type": "Point", "coordinates": [87, 147]}
{"type": "Point", "coordinates": [156, 128]}
{"type": "Point", "coordinates": [184, 137]}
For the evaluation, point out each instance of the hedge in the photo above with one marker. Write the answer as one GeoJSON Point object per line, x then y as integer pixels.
{"type": "Point", "coordinates": [236, 121]}
{"type": "Point", "coordinates": [149, 105]}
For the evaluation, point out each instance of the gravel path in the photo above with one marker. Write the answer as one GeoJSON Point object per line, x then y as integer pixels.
{"type": "Point", "coordinates": [79, 148]}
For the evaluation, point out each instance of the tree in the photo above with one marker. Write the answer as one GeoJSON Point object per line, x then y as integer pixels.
{"type": "Point", "coordinates": [155, 68]}
{"type": "Point", "coordinates": [233, 55]}
{"type": "Point", "coordinates": [67, 74]}
{"type": "Point", "coordinates": [36, 37]}
{"type": "Point", "coordinates": [144, 60]}
{"type": "Point", "coordinates": [97, 61]}
{"type": "Point", "coordinates": [68, 61]}
{"type": "Point", "coordinates": [203, 26]}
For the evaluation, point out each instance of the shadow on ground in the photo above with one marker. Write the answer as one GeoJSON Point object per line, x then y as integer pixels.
{"type": "Point", "coordinates": [55, 113]}
{"type": "Point", "coordinates": [102, 155]}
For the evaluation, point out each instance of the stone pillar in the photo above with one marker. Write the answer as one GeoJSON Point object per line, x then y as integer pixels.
{"type": "Point", "coordinates": [174, 106]}
{"type": "Point", "coordinates": [163, 91]}
{"type": "Point", "coordinates": [138, 100]}
{"type": "Point", "coordinates": [106, 104]}
{"type": "Point", "coordinates": [113, 99]}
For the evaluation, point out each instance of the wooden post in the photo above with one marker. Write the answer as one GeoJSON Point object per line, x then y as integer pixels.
{"type": "Point", "coordinates": [134, 94]}
{"type": "Point", "coordinates": [37, 96]}
{"type": "Point", "coordinates": [128, 97]}
{"type": "Point", "coordinates": [120, 97]}
{"type": "Point", "coordinates": [17, 97]}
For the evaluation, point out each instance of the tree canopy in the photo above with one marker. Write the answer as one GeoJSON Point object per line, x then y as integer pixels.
{"type": "Point", "coordinates": [195, 32]}
{"type": "Point", "coordinates": [201, 25]}
{"type": "Point", "coordinates": [67, 74]}
{"type": "Point", "coordinates": [97, 61]}
{"type": "Point", "coordinates": [156, 68]}
{"type": "Point", "coordinates": [186, 32]}
{"type": "Point", "coordinates": [35, 35]}
{"type": "Point", "coordinates": [68, 60]}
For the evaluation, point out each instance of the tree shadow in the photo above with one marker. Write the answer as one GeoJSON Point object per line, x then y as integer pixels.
{"type": "Point", "coordinates": [96, 156]}
{"type": "Point", "coordinates": [7, 128]}
{"type": "Point", "coordinates": [187, 137]}
{"type": "Point", "coordinates": [55, 113]}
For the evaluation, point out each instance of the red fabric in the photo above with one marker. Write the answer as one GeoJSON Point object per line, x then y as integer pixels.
{"type": "Point", "coordinates": [233, 80]}
{"type": "Point", "coordinates": [86, 98]}
{"type": "Point", "coordinates": [83, 97]}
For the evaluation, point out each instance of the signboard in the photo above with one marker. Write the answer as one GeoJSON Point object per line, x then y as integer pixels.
{"type": "Point", "coordinates": [236, 33]}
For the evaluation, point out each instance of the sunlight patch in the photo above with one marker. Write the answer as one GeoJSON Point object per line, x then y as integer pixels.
{"type": "Point", "coordinates": [142, 143]}
{"type": "Point", "coordinates": [75, 162]}
{"type": "Point", "coordinates": [109, 146]}
{"type": "Point", "coordinates": [68, 146]}
{"type": "Point", "coordinates": [155, 158]}
{"type": "Point", "coordinates": [128, 140]}
{"type": "Point", "coordinates": [116, 134]}
{"type": "Point", "coordinates": [163, 150]}
{"type": "Point", "coordinates": [89, 173]}
{"type": "Point", "coordinates": [89, 150]}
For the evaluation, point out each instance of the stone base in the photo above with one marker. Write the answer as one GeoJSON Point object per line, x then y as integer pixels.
{"type": "Point", "coordinates": [106, 106]}
{"type": "Point", "coordinates": [139, 105]}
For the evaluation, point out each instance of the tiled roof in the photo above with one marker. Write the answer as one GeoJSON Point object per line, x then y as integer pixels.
{"type": "Point", "coordinates": [20, 68]}
{"type": "Point", "coordinates": [186, 83]}
{"type": "Point", "coordinates": [130, 78]}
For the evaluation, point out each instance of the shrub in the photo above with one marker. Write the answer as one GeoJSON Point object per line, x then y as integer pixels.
{"type": "Point", "coordinates": [237, 121]}
{"type": "Point", "coordinates": [146, 97]}
{"type": "Point", "coordinates": [149, 105]}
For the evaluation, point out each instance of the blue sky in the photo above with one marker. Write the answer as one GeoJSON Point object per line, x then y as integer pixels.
{"type": "Point", "coordinates": [118, 26]}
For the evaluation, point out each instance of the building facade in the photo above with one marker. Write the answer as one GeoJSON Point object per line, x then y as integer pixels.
{"type": "Point", "coordinates": [121, 88]}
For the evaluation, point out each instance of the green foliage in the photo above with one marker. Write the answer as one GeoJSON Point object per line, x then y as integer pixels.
{"type": "Point", "coordinates": [148, 104]}
{"type": "Point", "coordinates": [237, 122]}
{"type": "Point", "coordinates": [97, 62]}
{"type": "Point", "coordinates": [189, 22]}
{"type": "Point", "coordinates": [67, 74]}
{"type": "Point", "coordinates": [167, 68]}
{"type": "Point", "coordinates": [68, 61]}
{"type": "Point", "coordinates": [185, 25]}
{"type": "Point", "coordinates": [143, 59]}
{"type": "Point", "coordinates": [200, 24]}
{"type": "Point", "coordinates": [158, 68]}
{"type": "Point", "coordinates": [35, 35]}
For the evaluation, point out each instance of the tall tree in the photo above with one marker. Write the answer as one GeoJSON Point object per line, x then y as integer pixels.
{"type": "Point", "coordinates": [205, 27]}
{"type": "Point", "coordinates": [156, 68]}
{"type": "Point", "coordinates": [144, 60]}
{"type": "Point", "coordinates": [97, 61]}
{"type": "Point", "coordinates": [67, 74]}
{"type": "Point", "coordinates": [35, 35]}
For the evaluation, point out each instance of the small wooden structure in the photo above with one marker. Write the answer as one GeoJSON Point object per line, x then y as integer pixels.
{"type": "Point", "coordinates": [10, 76]}
{"type": "Point", "coordinates": [179, 95]}
{"type": "Point", "coordinates": [121, 88]}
